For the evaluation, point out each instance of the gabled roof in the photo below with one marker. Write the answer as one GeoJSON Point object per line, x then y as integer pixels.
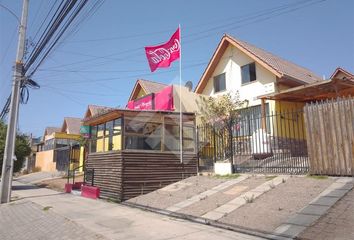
{"type": "Point", "coordinates": [339, 71]}
{"type": "Point", "coordinates": [93, 110]}
{"type": "Point", "coordinates": [278, 66]}
{"type": "Point", "coordinates": [147, 86]}
{"type": "Point", "coordinates": [50, 130]}
{"type": "Point", "coordinates": [71, 125]}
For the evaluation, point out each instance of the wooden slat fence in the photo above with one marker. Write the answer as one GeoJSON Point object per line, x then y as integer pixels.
{"type": "Point", "coordinates": [330, 136]}
{"type": "Point", "coordinates": [122, 175]}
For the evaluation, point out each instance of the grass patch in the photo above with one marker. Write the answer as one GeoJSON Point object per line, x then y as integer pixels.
{"type": "Point", "coordinates": [47, 208]}
{"type": "Point", "coordinates": [270, 177]}
{"type": "Point", "coordinates": [318, 177]}
{"type": "Point", "coordinates": [228, 176]}
{"type": "Point", "coordinates": [113, 200]}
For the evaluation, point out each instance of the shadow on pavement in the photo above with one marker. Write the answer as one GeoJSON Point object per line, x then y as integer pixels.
{"type": "Point", "coordinates": [24, 187]}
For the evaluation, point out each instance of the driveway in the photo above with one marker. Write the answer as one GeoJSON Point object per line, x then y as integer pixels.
{"type": "Point", "coordinates": [98, 218]}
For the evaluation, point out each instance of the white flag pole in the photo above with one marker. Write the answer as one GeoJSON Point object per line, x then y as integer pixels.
{"type": "Point", "coordinates": [180, 96]}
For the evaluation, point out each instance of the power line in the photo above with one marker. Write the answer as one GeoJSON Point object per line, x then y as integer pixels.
{"type": "Point", "coordinates": [130, 76]}
{"type": "Point", "coordinates": [256, 18]}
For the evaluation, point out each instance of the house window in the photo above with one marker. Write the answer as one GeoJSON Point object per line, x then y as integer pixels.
{"type": "Point", "coordinates": [248, 73]}
{"type": "Point", "coordinates": [142, 135]}
{"type": "Point", "coordinates": [250, 119]}
{"type": "Point", "coordinates": [106, 137]}
{"type": "Point", "coordinates": [219, 83]}
{"type": "Point", "coordinates": [172, 133]}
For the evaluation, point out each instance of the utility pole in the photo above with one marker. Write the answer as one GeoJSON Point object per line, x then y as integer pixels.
{"type": "Point", "coordinates": [9, 152]}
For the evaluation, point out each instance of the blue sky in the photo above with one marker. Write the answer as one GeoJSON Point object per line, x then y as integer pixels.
{"type": "Point", "coordinates": [100, 63]}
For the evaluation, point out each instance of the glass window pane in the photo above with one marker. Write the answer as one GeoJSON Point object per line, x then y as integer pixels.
{"type": "Point", "coordinates": [188, 138]}
{"type": "Point", "coordinates": [253, 76]}
{"type": "Point", "coordinates": [171, 138]}
{"type": "Point", "coordinates": [107, 145]}
{"type": "Point", "coordinates": [219, 83]}
{"type": "Point", "coordinates": [117, 142]}
{"type": "Point", "coordinates": [143, 135]}
{"type": "Point", "coordinates": [99, 146]}
{"type": "Point", "coordinates": [245, 74]}
{"type": "Point", "coordinates": [100, 130]}
{"type": "Point", "coordinates": [93, 131]}
{"type": "Point", "coordinates": [109, 128]}
{"type": "Point", "coordinates": [93, 146]}
{"type": "Point", "coordinates": [117, 129]}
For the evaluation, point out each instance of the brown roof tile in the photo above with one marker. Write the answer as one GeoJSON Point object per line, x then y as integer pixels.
{"type": "Point", "coordinates": [279, 64]}
{"type": "Point", "coordinates": [50, 130]}
{"type": "Point", "coordinates": [95, 109]}
{"type": "Point", "coordinates": [150, 86]}
{"type": "Point", "coordinates": [280, 67]}
{"type": "Point", "coordinates": [71, 125]}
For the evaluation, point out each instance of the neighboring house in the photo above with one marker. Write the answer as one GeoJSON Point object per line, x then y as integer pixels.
{"type": "Point", "coordinates": [343, 74]}
{"type": "Point", "coordinates": [71, 127]}
{"type": "Point", "coordinates": [30, 161]}
{"type": "Point", "coordinates": [144, 87]}
{"type": "Point", "coordinates": [93, 110]}
{"type": "Point", "coordinates": [265, 126]}
{"type": "Point", "coordinates": [60, 146]}
{"type": "Point", "coordinates": [149, 95]}
{"type": "Point", "coordinates": [252, 71]}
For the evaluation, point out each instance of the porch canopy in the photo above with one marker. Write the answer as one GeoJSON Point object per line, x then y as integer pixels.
{"type": "Point", "coordinates": [333, 88]}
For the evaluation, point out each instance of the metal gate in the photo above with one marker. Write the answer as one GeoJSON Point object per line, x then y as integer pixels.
{"type": "Point", "coordinates": [276, 146]}
{"type": "Point", "coordinates": [66, 155]}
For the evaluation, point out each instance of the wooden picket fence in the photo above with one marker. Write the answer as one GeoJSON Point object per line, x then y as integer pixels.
{"type": "Point", "coordinates": [329, 127]}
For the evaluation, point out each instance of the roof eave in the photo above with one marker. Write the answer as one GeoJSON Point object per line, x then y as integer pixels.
{"type": "Point", "coordinates": [222, 46]}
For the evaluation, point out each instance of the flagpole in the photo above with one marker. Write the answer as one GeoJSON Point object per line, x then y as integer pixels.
{"type": "Point", "coordinates": [180, 96]}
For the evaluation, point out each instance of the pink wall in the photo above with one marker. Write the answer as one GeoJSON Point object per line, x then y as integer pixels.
{"type": "Point", "coordinates": [162, 100]}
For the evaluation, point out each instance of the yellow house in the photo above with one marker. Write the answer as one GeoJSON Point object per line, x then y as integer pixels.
{"type": "Point", "coordinates": [61, 146]}
{"type": "Point", "coordinates": [252, 71]}
{"type": "Point", "coordinates": [266, 127]}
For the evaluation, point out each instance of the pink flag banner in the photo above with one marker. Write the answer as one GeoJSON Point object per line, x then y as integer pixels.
{"type": "Point", "coordinates": [163, 55]}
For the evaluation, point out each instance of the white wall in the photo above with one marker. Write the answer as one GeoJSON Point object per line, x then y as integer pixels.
{"type": "Point", "coordinates": [231, 63]}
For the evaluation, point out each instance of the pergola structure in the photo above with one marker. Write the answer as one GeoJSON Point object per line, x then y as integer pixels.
{"type": "Point", "coordinates": [341, 84]}
{"type": "Point", "coordinates": [315, 91]}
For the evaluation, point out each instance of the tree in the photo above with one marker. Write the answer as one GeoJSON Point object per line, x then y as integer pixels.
{"type": "Point", "coordinates": [221, 111]}
{"type": "Point", "coordinates": [219, 116]}
{"type": "Point", "coordinates": [22, 148]}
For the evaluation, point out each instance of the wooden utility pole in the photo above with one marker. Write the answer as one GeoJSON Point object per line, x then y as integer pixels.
{"type": "Point", "coordinates": [9, 152]}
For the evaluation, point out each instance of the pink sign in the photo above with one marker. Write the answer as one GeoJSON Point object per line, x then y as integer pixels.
{"type": "Point", "coordinates": [144, 103]}
{"type": "Point", "coordinates": [164, 99]}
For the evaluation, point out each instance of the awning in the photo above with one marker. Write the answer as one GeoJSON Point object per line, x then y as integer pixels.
{"type": "Point", "coordinates": [315, 91]}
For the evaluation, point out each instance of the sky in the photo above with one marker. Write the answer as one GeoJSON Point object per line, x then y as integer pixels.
{"type": "Point", "coordinates": [100, 63]}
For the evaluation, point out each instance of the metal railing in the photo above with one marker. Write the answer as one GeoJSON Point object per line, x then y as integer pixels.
{"type": "Point", "coordinates": [89, 175]}
{"type": "Point", "coordinates": [275, 143]}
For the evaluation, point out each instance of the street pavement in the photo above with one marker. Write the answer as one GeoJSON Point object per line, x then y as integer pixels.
{"type": "Point", "coordinates": [40, 213]}
{"type": "Point", "coordinates": [25, 220]}
{"type": "Point", "coordinates": [337, 223]}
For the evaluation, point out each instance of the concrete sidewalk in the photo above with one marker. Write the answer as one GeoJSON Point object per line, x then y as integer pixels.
{"type": "Point", "coordinates": [114, 221]}
{"type": "Point", "coordinates": [38, 177]}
